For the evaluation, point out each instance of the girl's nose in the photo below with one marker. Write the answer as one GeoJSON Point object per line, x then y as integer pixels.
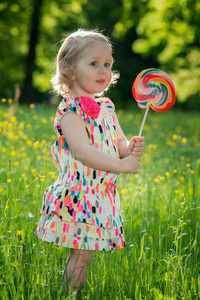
{"type": "Point", "coordinates": [102, 69]}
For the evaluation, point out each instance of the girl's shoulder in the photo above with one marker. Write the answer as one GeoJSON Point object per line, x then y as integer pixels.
{"type": "Point", "coordinates": [106, 102]}
{"type": "Point", "coordinates": [68, 103]}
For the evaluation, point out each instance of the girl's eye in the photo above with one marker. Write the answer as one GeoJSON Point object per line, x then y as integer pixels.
{"type": "Point", "coordinates": [94, 63]}
{"type": "Point", "coordinates": [106, 65]}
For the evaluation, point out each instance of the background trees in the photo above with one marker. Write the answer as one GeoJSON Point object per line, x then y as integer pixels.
{"type": "Point", "coordinates": [145, 33]}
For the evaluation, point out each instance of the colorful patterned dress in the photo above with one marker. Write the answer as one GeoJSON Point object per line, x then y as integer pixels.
{"type": "Point", "coordinates": [81, 210]}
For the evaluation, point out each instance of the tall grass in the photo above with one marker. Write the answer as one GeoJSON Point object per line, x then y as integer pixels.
{"type": "Point", "coordinates": [160, 206]}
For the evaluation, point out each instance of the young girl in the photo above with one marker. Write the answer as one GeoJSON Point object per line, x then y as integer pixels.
{"type": "Point", "coordinates": [81, 210]}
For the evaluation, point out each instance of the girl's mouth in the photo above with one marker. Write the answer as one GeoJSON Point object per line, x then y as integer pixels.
{"type": "Point", "coordinates": [101, 81]}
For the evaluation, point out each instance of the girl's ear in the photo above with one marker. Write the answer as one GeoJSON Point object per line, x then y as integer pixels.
{"type": "Point", "coordinates": [72, 76]}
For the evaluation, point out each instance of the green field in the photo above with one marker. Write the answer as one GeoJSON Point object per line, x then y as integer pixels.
{"type": "Point", "coordinates": [160, 205]}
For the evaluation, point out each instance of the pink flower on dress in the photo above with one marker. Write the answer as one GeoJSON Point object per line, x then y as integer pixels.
{"type": "Point", "coordinates": [89, 106]}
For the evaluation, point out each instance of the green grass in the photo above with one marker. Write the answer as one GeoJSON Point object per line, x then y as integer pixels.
{"type": "Point", "coordinates": [160, 205]}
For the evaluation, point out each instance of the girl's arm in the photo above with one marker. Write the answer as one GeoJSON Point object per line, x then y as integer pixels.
{"type": "Point", "coordinates": [74, 131]}
{"type": "Point", "coordinates": [125, 147]}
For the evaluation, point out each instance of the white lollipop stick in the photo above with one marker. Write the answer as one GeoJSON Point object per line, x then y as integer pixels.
{"type": "Point", "coordinates": [144, 119]}
{"type": "Point", "coordinates": [141, 128]}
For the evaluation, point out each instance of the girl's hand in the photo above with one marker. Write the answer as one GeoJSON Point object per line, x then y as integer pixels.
{"type": "Point", "coordinates": [136, 146]}
{"type": "Point", "coordinates": [130, 164]}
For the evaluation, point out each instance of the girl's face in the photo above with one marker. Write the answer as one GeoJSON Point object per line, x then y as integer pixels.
{"type": "Point", "coordinates": [92, 71]}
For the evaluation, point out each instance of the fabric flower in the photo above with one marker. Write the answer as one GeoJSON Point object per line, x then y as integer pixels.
{"type": "Point", "coordinates": [89, 106]}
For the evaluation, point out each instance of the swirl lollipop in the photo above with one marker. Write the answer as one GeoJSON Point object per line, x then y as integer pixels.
{"type": "Point", "coordinates": [153, 88]}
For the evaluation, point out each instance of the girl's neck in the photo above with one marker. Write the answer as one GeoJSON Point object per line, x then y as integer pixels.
{"type": "Point", "coordinates": [77, 95]}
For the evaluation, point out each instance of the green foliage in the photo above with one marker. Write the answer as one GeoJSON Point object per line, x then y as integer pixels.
{"type": "Point", "coordinates": [170, 31]}
{"type": "Point", "coordinates": [160, 208]}
{"type": "Point", "coordinates": [14, 26]}
{"type": "Point", "coordinates": [145, 33]}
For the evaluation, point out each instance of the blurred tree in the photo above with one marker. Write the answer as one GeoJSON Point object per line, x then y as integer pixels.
{"type": "Point", "coordinates": [169, 39]}
{"type": "Point", "coordinates": [27, 95]}
{"type": "Point", "coordinates": [170, 33]}
{"type": "Point", "coordinates": [27, 29]}
{"type": "Point", "coordinates": [14, 25]}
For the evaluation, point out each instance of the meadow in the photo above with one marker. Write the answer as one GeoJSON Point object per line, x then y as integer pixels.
{"type": "Point", "coordinates": [160, 206]}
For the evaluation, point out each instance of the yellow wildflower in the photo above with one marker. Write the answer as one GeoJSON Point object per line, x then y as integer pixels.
{"type": "Point", "coordinates": [182, 203]}
{"type": "Point", "coordinates": [156, 180]}
{"type": "Point", "coordinates": [167, 173]}
{"type": "Point", "coordinates": [44, 121]}
{"type": "Point", "coordinates": [29, 143]}
{"type": "Point", "coordinates": [184, 141]}
{"type": "Point", "coordinates": [175, 171]}
{"type": "Point", "coordinates": [151, 146]}
{"type": "Point", "coordinates": [124, 191]}
{"type": "Point", "coordinates": [174, 136]}
{"type": "Point", "coordinates": [144, 190]}
{"type": "Point", "coordinates": [36, 144]}
{"type": "Point", "coordinates": [3, 100]}
{"type": "Point", "coordinates": [9, 180]}
{"type": "Point", "coordinates": [188, 165]}
{"type": "Point", "coordinates": [19, 233]}
{"type": "Point", "coordinates": [170, 143]}
{"type": "Point", "coordinates": [13, 153]}
{"type": "Point", "coordinates": [6, 115]}
{"type": "Point", "coordinates": [32, 105]}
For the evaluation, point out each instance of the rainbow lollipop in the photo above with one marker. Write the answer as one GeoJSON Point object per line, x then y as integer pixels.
{"type": "Point", "coordinates": [153, 88]}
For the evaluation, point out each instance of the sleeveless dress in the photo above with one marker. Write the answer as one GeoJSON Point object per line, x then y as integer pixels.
{"type": "Point", "coordinates": [81, 210]}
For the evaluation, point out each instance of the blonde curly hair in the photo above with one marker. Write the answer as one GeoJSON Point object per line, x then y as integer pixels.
{"type": "Point", "coordinates": [69, 53]}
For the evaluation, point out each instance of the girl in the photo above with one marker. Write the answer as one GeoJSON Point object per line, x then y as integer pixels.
{"type": "Point", "coordinates": [81, 210]}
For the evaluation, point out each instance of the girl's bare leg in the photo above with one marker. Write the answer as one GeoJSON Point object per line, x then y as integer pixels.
{"type": "Point", "coordinates": [76, 270]}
